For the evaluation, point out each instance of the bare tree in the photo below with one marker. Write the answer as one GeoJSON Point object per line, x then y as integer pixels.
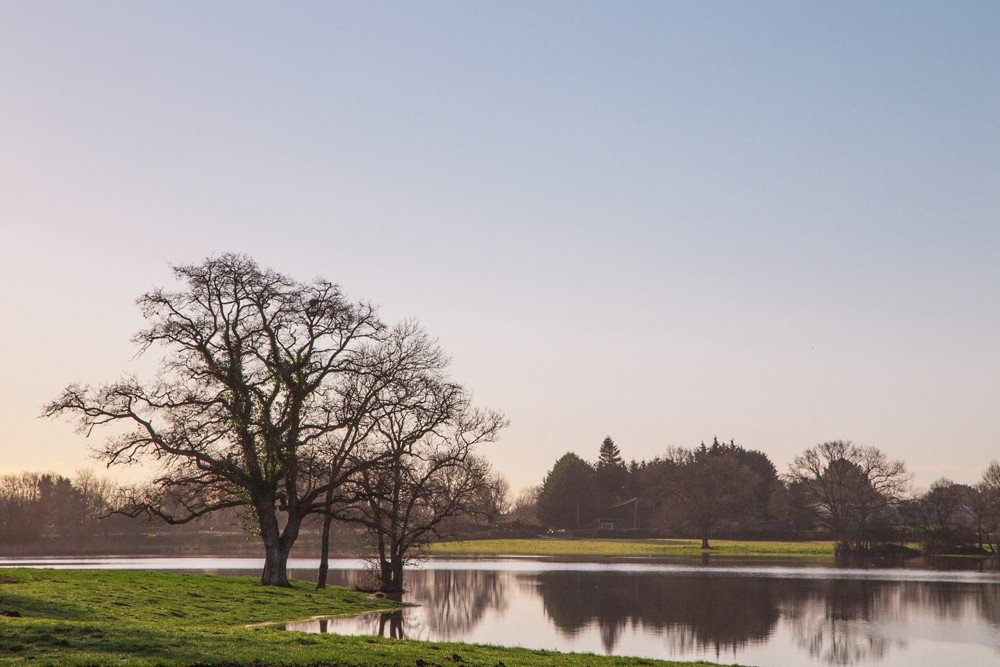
{"type": "Point", "coordinates": [984, 507]}
{"type": "Point", "coordinates": [431, 474]}
{"type": "Point", "coordinates": [21, 518]}
{"type": "Point", "coordinates": [405, 362]}
{"type": "Point", "coordinates": [96, 495]}
{"type": "Point", "coordinates": [525, 505]}
{"type": "Point", "coordinates": [848, 489]}
{"type": "Point", "coordinates": [254, 395]}
{"type": "Point", "coordinates": [943, 516]}
{"type": "Point", "coordinates": [500, 501]}
{"type": "Point", "coordinates": [411, 499]}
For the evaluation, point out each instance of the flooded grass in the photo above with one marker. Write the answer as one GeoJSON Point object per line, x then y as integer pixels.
{"type": "Point", "coordinates": [72, 617]}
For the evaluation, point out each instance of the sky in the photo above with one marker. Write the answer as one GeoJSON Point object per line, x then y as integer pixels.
{"type": "Point", "coordinates": [772, 222]}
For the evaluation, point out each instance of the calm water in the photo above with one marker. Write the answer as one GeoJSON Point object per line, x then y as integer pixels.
{"type": "Point", "coordinates": [762, 614]}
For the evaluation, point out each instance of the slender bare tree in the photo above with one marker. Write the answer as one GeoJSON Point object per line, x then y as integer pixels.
{"type": "Point", "coordinates": [429, 430]}
{"type": "Point", "coordinates": [403, 363]}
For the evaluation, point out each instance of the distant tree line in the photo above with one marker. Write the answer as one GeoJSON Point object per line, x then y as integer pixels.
{"type": "Point", "coordinates": [855, 495]}
{"type": "Point", "coordinates": [36, 504]}
{"type": "Point", "coordinates": [52, 514]}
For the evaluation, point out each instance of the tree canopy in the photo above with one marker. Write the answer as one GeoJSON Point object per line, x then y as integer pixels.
{"type": "Point", "coordinates": [567, 496]}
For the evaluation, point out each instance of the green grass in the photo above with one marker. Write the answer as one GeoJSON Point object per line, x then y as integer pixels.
{"type": "Point", "coordinates": [625, 547]}
{"type": "Point", "coordinates": [75, 617]}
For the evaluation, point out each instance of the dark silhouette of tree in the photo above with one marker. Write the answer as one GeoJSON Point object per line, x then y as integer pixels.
{"type": "Point", "coordinates": [609, 456]}
{"type": "Point", "coordinates": [942, 516]}
{"type": "Point", "coordinates": [848, 489]}
{"type": "Point", "coordinates": [610, 476]}
{"type": "Point", "coordinates": [430, 476]}
{"type": "Point", "coordinates": [709, 488]}
{"type": "Point", "coordinates": [984, 507]}
{"type": "Point", "coordinates": [705, 489]}
{"type": "Point", "coordinates": [426, 475]}
{"type": "Point", "coordinates": [767, 485]}
{"type": "Point", "coordinates": [253, 404]}
{"type": "Point", "coordinates": [647, 482]}
{"type": "Point", "coordinates": [394, 369]}
{"type": "Point", "coordinates": [567, 498]}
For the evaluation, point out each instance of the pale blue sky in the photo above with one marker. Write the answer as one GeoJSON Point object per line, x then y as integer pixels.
{"type": "Point", "coordinates": [775, 222]}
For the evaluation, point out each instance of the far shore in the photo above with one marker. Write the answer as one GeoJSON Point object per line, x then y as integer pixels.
{"type": "Point", "coordinates": [556, 546]}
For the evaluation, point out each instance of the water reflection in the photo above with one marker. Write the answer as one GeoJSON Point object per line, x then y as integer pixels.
{"type": "Point", "coordinates": [829, 620]}
{"type": "Point", "coordinates": [718, 615]}
{"type": "Point", "coordinates": [390, 625]}
{"type": "Point", "coordinates": [452, 605]}
{"type": "Point", "coordinates": [764, 614]}
{"type": "Point", "coordinates": [457, 600]}
{"type": "Point", "coordinates": [845, 622]}
{"type": "Point", "coordinates": [707, 611]}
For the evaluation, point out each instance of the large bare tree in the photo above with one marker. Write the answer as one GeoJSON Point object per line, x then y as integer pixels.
{"type": "Point", "coordinates": [263, 383]}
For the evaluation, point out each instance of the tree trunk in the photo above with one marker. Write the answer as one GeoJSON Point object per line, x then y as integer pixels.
{"type": "Point", "coordinates": [391, 575]}
{"type": "Point", "coordinates": [704, 542]}
{"type": "Point", "coordinates": [397, 576]}
{"type": "Point", "coordinates": [277, 544]}
{"type": "Point", "coordinates": [275, 565]}
{"type": "Point", "coordinates": [324, 553]}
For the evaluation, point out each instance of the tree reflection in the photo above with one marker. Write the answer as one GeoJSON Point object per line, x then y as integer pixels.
{"type": "Point", "coordinates": [834, 620]}
{"type": "Point", "coordinates": [455, 601]}
{"type": "Point", "coordinates": [988, 604]}
{"type": "Point", "coordinates": [838, 621]}
{"type": "Point", "coordinates": [847, 620]}
{"type": "Point", "coordinates": [830, 630]}
{"type": "Point", "coordinates": [390, 624]}
{"type": "Point", "coordinates": [707, 611]}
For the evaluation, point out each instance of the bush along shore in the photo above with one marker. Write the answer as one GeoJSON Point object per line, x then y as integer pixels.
{"type": "Point", "coordinates": [103, 617]}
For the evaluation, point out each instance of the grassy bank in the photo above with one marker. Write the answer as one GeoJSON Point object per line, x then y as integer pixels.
{"type": "Point", "coordinates": [625, 547]}
{"type": "Point", "coordinates": [75, 617]}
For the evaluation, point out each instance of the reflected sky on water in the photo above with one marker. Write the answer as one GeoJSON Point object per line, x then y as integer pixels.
{"type": "Point", "coordinates": [761, 615]}
{"type": "Point", "coordinates": [757, 614]}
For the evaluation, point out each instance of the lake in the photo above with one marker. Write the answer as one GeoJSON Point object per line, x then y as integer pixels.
{"type": "Point", "coordinates": [764, 613]}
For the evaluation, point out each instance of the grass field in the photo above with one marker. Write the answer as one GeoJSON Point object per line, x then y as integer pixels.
{"type": "Point", "coordinates": [624, 547]}
{"type": "Point", "coordinates": [75, 617]}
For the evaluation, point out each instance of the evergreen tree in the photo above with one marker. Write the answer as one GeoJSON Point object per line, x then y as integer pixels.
{"type": "Point", "coordinates": [567, 496]}
{"type": "Point", "coordinates": [611, 476]}
{"type": "Point", "coordinates": [609, 457]}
